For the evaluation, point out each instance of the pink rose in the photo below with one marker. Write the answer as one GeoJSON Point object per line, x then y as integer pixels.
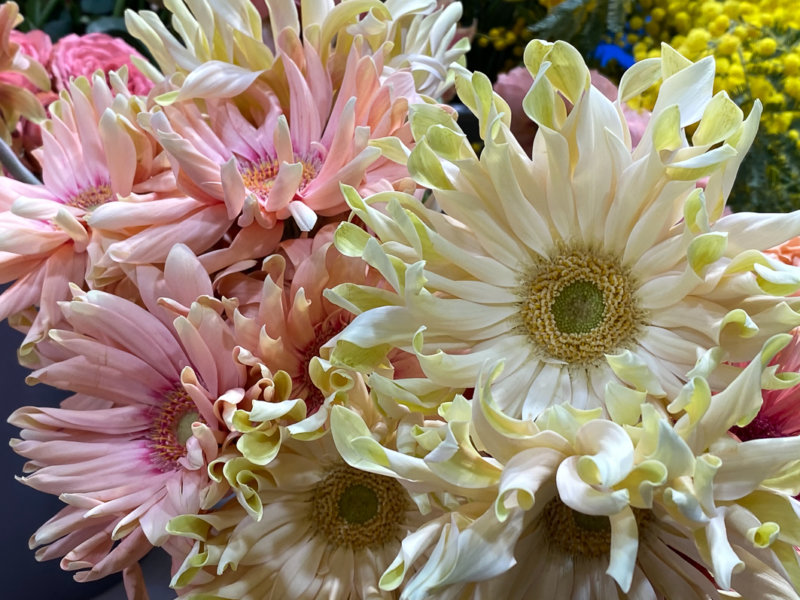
{"type": "Point", "coordinates": [76, 55]}
{"type": "Point", "coordinates": [35, 44]}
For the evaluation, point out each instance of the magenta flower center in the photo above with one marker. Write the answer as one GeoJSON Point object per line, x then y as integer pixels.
{"type": "Point", "coordinates": [171, 428]}
{"type": "Point", "coordinates": [91, 197]}
{"type": "Point", "coordinates": [758, 429]}
{"type": "Point", "coordinates": [323, 333]}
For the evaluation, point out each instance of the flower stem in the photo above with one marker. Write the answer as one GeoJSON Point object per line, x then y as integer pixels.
{"type": "Point", "coordinates": [12, 163]}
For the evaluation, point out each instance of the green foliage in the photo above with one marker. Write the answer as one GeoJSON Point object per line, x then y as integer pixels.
{"type": "Point", "coordinates": [504, 27]}
{"type": "Point", "coordinates": [769, 177]}
{"type": "Point", "coordinates": [583, 23]}
{"type": "Point", "coordinates": [61, 17]}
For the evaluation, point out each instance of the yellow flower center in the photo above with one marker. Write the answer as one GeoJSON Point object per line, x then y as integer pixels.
{"type": "Point", "coordinates": [171, 428]}
{"type": "Point", "coordinates": [259, 177]}
{"type": "Point", "coordinates": [579, 306]}
{"type": "Point", "coordinates": [357, 509]}
{"type": "Point", "coordinates": [91, 197]}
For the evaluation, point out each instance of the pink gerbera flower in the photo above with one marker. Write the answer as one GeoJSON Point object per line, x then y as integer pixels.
{"type": "Point", "coordinates": [285, 156]}
{"type": "Point", "coordinates": [130, 449]}
{"type": "Point", "coordinates": [92, 155]}
{"type": "Point", "coordinates": [43, 234]}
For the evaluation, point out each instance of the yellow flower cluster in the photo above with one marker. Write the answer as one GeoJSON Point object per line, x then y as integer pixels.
{"type": "Point", "coordinates": [503, 38]}
{"type": "Point", "coordinates": [755, 57]}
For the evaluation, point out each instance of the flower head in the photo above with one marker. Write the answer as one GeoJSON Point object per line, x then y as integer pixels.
{"type": "Point", "coordinates": [283, 320]}
{"type": "Point", "coordinates": [584, 262]}
{"type": "Point", "coordinates": [129, 450]}
{"type": "Point", "coordinates": [337, 527]}
{"type": "Point", "coordinates": [658, 500]}
{"type": "Point", "coordinates": [285, 156]}
{"type": "Point", "coordinates": [154, 397]}
{"type": "Point", "coordinates": [91, 156]}
{"type": "Point", "coordinates": [82, 55]}
{"type": "Point", "coordinates": [223, 52]}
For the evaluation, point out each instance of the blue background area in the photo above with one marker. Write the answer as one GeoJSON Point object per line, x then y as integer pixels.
{"type": "Point", "coordinates": [605, 53]}
{"type": "Point", "coordinates": [24, 509]}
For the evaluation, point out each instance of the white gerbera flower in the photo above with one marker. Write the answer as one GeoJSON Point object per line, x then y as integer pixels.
{"type": "Point", "coordinates": [585, 261]}
{"type": "Point", "coordinates": [222, 48]}
{"type": "Point", "coordinates": [303, 525]}
{"type": "Point", "coordinates": [587, 507]}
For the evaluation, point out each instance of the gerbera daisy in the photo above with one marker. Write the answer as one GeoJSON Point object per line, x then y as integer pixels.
{"type": "Point", "coordinates": [230, 33]}
{"type": "Point", "coordinates": [221, 52]}
{"type": "Point", "coordinates": [282, 319]}
{"type": "Point", "coordinates": [327, 529]}
{"type": "Point", "coordinates": [44, 234]}
{"type": "Point", "coordinates": [614, 509]}
{"type": "Point", "coordinates": [587, 258]}
{"type": "Point", "coordinates": [130, 449]}
{"type": "Point", "coordinates": [284, 158]}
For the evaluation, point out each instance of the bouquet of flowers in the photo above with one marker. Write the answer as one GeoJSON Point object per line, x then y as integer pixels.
{"type": "Point", "coordinates": [319, 346]}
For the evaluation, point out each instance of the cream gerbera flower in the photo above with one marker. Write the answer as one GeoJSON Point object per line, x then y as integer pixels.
{"type": "Point", "coordinates": [587, 507]}
{"type": "Point", "coordinates": [223, 48]}
{"type": "Point", "coordinates": [326, 529]}
{"type": "Point", "coordinates": [586, 260]}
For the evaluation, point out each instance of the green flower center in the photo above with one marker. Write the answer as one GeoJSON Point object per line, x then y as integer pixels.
{"type": "Point", "coordinates": [183, 430]}
{"type": "Point", "coordinates": [579, 306]}
{"type": "Point", "coordinates": [358, 509]}
{"type": "Point", "coordinates": [171, 428]}
{"type": "Point", "coordinates": [358, 504]}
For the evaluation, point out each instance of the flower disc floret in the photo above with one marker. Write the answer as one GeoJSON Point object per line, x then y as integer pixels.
{"type": "Point", "coordinates": [579, 306]}
{"type": "Point", "coordinates": [358, 509]}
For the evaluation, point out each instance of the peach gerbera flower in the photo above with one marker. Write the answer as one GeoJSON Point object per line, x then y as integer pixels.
{"type": "Point", "coordinates": [788, 252]}
{"type": "Point", "coordinates": [283, 319]}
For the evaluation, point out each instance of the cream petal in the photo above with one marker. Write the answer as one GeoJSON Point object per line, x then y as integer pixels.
{"type": "Point", "coordinates": [584, 498]}
{"type": "Point", "coordinates": [549, 386]}
{"type": "Point", "coordinates": [624, 548]}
